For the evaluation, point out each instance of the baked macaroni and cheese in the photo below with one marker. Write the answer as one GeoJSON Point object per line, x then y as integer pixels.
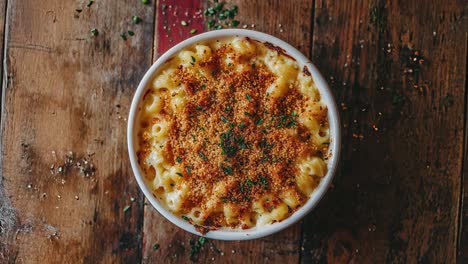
{"type": "Point", "coordinates": [233, 133]}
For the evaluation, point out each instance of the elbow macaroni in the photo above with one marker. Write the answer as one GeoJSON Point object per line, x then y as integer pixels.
{"type": "Point", "coordinates": [190, 145]}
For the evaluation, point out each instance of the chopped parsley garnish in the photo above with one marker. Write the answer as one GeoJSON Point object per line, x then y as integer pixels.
{"type": "Point", "coordinates": [185, 218]}
{"type": "Point", "coordinates": [136, 19]}
{"type": "Point", "coordinates": [90, 3]}
{"type": "Point", "coordinates": [163, 7]}
{"type": "Point", "coordinates": [156, 246]}
{"type": "Point", "coordinates": [145, 2]}
{"type": "Point", "coordinates": [219, 6]}
{"type": "Point", "coordinates": [227, 170]}
{"type": "Point", "coordinates": [193, 31]}
{"type": "Point", "coordinates": [195, 247]}
{"type": "Point", "coordinates": [202, 156]}
{"type": "Point", "coordinates": [94, 32]}
{"type": "Point", "coordinates": [235, 23]}
{"type": "Point", "coordinates": [248, 114]}
{"type": "Point", "coordinates": [259, 122]}
{"type": "Point", "coordinates": [227, 109]}
{"type": "Point", "coordinates": [183, 23]}
{"type": "Point", "coordinates": [178, 159]}
{"type": "Point", "coordinates": [189, 169]}
{"type": "Point", "coordinates": [286, 121]}
{"type": "Point", "coordinates": [224, 119]}
{"type": "Point", "coordinates": [247, 96]}
{"type": "Point", "coordinates": [224, 199]}
{"type": "Point", "coordinates": [263, 181]}
{"type": "Point", "coordinates": [242, 125]}
{"type": "Point", "coordinates": [126, 208]}
{"type": "Point", "coordinates": [180, 174]}
{"type": "Point", "coordinates": [202, 240]}
{"type": "Point", "coordinates": [131, 33]}
{"type": "Point", "coordinates": [249, 182]}
{"type": "Point", "coordinates": [218, 27]}
{"type": "Point", "coordinates": [211, 23]}
{"type": "Point", "coordinates": [294, 113]}
{"type": "Point", "coordinates": [123, 36]}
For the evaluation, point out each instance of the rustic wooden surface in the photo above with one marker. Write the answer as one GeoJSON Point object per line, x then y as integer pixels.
{"type": "Point", "coordinates": [398, 70]}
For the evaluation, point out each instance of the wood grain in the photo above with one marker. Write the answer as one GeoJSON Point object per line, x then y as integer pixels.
{"type": "Point", "coordinates": [69, 91]}
{"type": "Point", "coordinates": [258, 15]}
{"type": "Point", "coordinates": [396, 198]}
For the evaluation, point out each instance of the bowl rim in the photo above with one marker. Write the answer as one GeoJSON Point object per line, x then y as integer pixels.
{"type": "Point", "coordinates": [335, 135]}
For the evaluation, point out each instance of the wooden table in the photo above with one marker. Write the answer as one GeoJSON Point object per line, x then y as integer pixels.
{"type": "Point", "coordinates": [398, 70]}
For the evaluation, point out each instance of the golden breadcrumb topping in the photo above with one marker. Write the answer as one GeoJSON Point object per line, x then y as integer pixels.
{"type": "Point", "coordinates": [231, 131]}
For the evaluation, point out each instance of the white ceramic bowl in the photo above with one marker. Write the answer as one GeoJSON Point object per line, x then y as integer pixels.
{"type": "Point", "coordinates": [334, 120]}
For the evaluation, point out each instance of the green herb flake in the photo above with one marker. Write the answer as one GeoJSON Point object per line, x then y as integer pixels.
{"type": "Point", "coordinates": [90, 3]}
{"type": "Point", "coordinates": [227, 109]}
{"type": "Point", "coordinates": [184, 23]}
{"type": "Point", "coordinates": [94, 32]}
{"type": "Point", "coordinates": [218, 27]}
{"type": "Point", "coordinates": [180, 174]}
{"type": "Point", "coordinates": [294, 113]}
{"type": "Point", "coordinates": [131, 33]}
{"type": "Point", "coordinates": [189, 169]}
{"type": "Point", "coordinates": [193, 31]}
{"type": "Point", "coordinates": [249, 182]}
{"type": "Point", "coordinates": [235, 23]}
{"type": "Point", "coordinates": [178, 159]}
{"type": "Point", "coordinates": [195, 247]}
{"type": "Point", "coordinates": [156, 246]}
{"type": "Point", "coordinates": [219, 6]}
{"type": "Point", "coordinates": [247, 96]}
{"type": "Point", "coordinates": [126, 208]}
{"type": "Point", "coordinates": [224, 119]}
{"type": "Point", "coordinates": [145, 2]}
{"type": "Point", "coordinates": [222, 16]}
{"type": "Point", "coordinates": [136, 19]}
{"type": "Point", "coordinates": [242, 125]}
{"type": "Point", "coordinates": [185, 218]}
{"type": "Point", "coordinates": [123, 36]}
{"type": "Point", "coordinates": [263, 181]}
{"type": "Point", "coordinates": [202, 240]}
{"type": "Point", "coordinates": [202, 155]}
{"type": "Point", "coordinates": [163, 7]}
{"type": "Point", "coordinates": [227, 169]}
{"type": "Point", "coordinates": [193, 59]}
{"type": "Point", "coordinates": [259, 122]}
{"type": "Point", "coordinates": [234, 9]}
{"type": "Point", "coordinates": [224, 199]}
{"type": "Point", "coordinates": [211, 23]}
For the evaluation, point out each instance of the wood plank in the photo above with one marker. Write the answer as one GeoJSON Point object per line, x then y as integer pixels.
{"type": "Point", "coordinates": [174, 242]}
{"type": "Point", "coordinates": [69, 91]}
{"type": "Point", "coordinates": [462, 246]}
{"type": "Point", "coordinates": [3, 4]}
{"type": "Point", "coordinates": [396, 198]}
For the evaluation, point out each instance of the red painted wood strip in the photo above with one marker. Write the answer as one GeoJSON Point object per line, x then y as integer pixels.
{"type": "Point", "coordinates": [171, 15]}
